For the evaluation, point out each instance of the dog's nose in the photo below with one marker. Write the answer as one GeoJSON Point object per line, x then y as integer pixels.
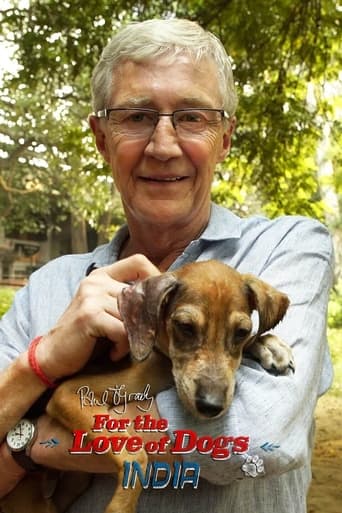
{"type": "Point", "coordinates": [208, 408]}
{"type": "Point", "coordinates": [210, 398]}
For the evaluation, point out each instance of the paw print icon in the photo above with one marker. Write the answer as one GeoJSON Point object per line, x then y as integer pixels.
{"type": "Point", "coordinates": [253, 466]}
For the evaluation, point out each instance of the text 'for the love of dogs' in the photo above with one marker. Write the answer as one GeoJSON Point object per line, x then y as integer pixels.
{"type": "Point", "coordinates": [157, 475]}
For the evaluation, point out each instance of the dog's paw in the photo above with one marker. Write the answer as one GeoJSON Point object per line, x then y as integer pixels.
{"type": "Point", "coordinates": [273, 354]}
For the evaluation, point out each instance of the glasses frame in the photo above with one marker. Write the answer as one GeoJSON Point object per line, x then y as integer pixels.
{"type": "Point", "coordinates": [104, 113]}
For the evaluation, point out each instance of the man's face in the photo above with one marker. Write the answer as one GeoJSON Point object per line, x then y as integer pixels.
{"type": "Point", "coordinates": [164, 179]}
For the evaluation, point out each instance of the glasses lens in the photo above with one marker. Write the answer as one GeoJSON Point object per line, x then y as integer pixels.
{"type": "Point", "coordinates": [140, 123]}
{"type": "Point", "coordinates": [196, 121]}
{"type": "Point", "coordinates": [134, 122]}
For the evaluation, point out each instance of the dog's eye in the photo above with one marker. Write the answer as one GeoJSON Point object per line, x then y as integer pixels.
{"type": "Point", "coordinates": [185, 328]}
{"type": "Point", "coordinates": [241, 334]}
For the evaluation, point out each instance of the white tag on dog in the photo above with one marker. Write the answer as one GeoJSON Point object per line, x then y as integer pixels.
{"type": "Point", "coordinates": [255, 322]}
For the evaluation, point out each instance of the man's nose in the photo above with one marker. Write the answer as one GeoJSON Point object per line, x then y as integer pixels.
{"type": "Point", "coordinates": [164, 143]}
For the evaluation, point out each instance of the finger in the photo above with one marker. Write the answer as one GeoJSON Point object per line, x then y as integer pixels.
{"type": "Point", "coordinates": [133, 268]}
{"type": "Point", "coordinates": [114, 330]}
{"type": "Point", "coordinates": [116, 333]}
{"type": "Point", "coordinates": [119, 351]}
{"type": "Point", "coordinates": [98, 292]}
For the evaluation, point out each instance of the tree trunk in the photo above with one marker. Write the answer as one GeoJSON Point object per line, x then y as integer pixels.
{"type": "Point", "coordinates": [79, 243]}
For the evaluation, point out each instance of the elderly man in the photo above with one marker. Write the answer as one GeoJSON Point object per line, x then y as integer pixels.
{"type": "Point", "coordinates": [164, 105]}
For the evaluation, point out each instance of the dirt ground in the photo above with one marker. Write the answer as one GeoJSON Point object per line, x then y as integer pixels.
{"type": "Point", "coordinates": [326, 490]}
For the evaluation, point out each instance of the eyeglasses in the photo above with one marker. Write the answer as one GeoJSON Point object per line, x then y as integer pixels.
{"type": "Point", "coordinates": [141, 123]}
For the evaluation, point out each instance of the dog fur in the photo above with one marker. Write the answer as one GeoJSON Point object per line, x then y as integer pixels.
{"type": "Point", "coordinates": [191, 327]}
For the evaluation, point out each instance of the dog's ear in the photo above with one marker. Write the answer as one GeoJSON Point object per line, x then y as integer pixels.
{"type": "Point", "coordinates": [268, 301]}
{"type": "Point", "coordinates": [140, 307]}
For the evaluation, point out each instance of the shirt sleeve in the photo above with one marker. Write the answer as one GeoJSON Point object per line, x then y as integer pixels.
{"type": "Point", "coordinates": [275, 412]}
{"type": "Point", "coordinates": [38, 305]}
{"type": "Point", "coordinates": [14, 329]}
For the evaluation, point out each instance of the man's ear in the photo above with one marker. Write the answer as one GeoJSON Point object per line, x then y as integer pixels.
{"type": "Point", "coordinates": [227, 139]}
{"type": "Point", "coordinates": [96, 125]}
{"type": "Point", "coordinates": [268, 301]}
{"type": "Point", "coordinates": [141, 308]}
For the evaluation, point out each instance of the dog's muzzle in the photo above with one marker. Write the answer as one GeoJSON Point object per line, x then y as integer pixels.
{"type": "Point", "coordinates": [210, 399]}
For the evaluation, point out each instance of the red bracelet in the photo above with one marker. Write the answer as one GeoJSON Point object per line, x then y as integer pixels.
{"type": "Point", "coordinates": [35, 365]}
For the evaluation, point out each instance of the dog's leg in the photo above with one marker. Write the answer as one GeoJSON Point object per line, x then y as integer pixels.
{"type": "Point", "coordinates": [64, 406]}
{"type": "Point", "coordinates": [272, 353]}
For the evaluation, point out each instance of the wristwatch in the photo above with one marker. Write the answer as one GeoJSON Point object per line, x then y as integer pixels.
{"type": "Point", "coordinates": [20, 440]}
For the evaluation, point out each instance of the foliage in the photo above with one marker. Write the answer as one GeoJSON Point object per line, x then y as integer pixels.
{"type": "Point", "coordinates": [6, 298]}
{"type": "Point", "coordinates": [49, 167]}
{"type": "Point", "coordinates": [335, 307]}
{"type": "Point", "coordinates": [335, 335]}
{"type": "Point", "coordinates": [335, 344]}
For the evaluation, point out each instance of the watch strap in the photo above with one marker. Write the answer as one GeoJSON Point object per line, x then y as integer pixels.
{"type": "Point", "coordinates": [25, 461]}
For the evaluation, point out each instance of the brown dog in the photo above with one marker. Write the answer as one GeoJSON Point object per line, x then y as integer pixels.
{"type": "Point", "coordinates": [200, 318]}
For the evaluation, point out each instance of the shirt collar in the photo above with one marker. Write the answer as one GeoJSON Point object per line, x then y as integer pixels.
{"type": "Point", "coordinates": [223, 224]}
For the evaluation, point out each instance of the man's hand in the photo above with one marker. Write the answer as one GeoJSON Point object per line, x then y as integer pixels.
{"type": "Point", "coordinates": [92, 314]}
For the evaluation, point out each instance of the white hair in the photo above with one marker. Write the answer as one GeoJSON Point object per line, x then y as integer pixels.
{"type": "Point", "coordinates": [147, 40]}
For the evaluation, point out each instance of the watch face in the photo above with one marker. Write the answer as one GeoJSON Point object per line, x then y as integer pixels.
{"type": "Point", "coordinates": [19, 436]}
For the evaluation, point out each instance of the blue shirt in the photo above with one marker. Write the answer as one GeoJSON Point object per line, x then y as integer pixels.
{"type": "Point", "coordinates": [295, 255]}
